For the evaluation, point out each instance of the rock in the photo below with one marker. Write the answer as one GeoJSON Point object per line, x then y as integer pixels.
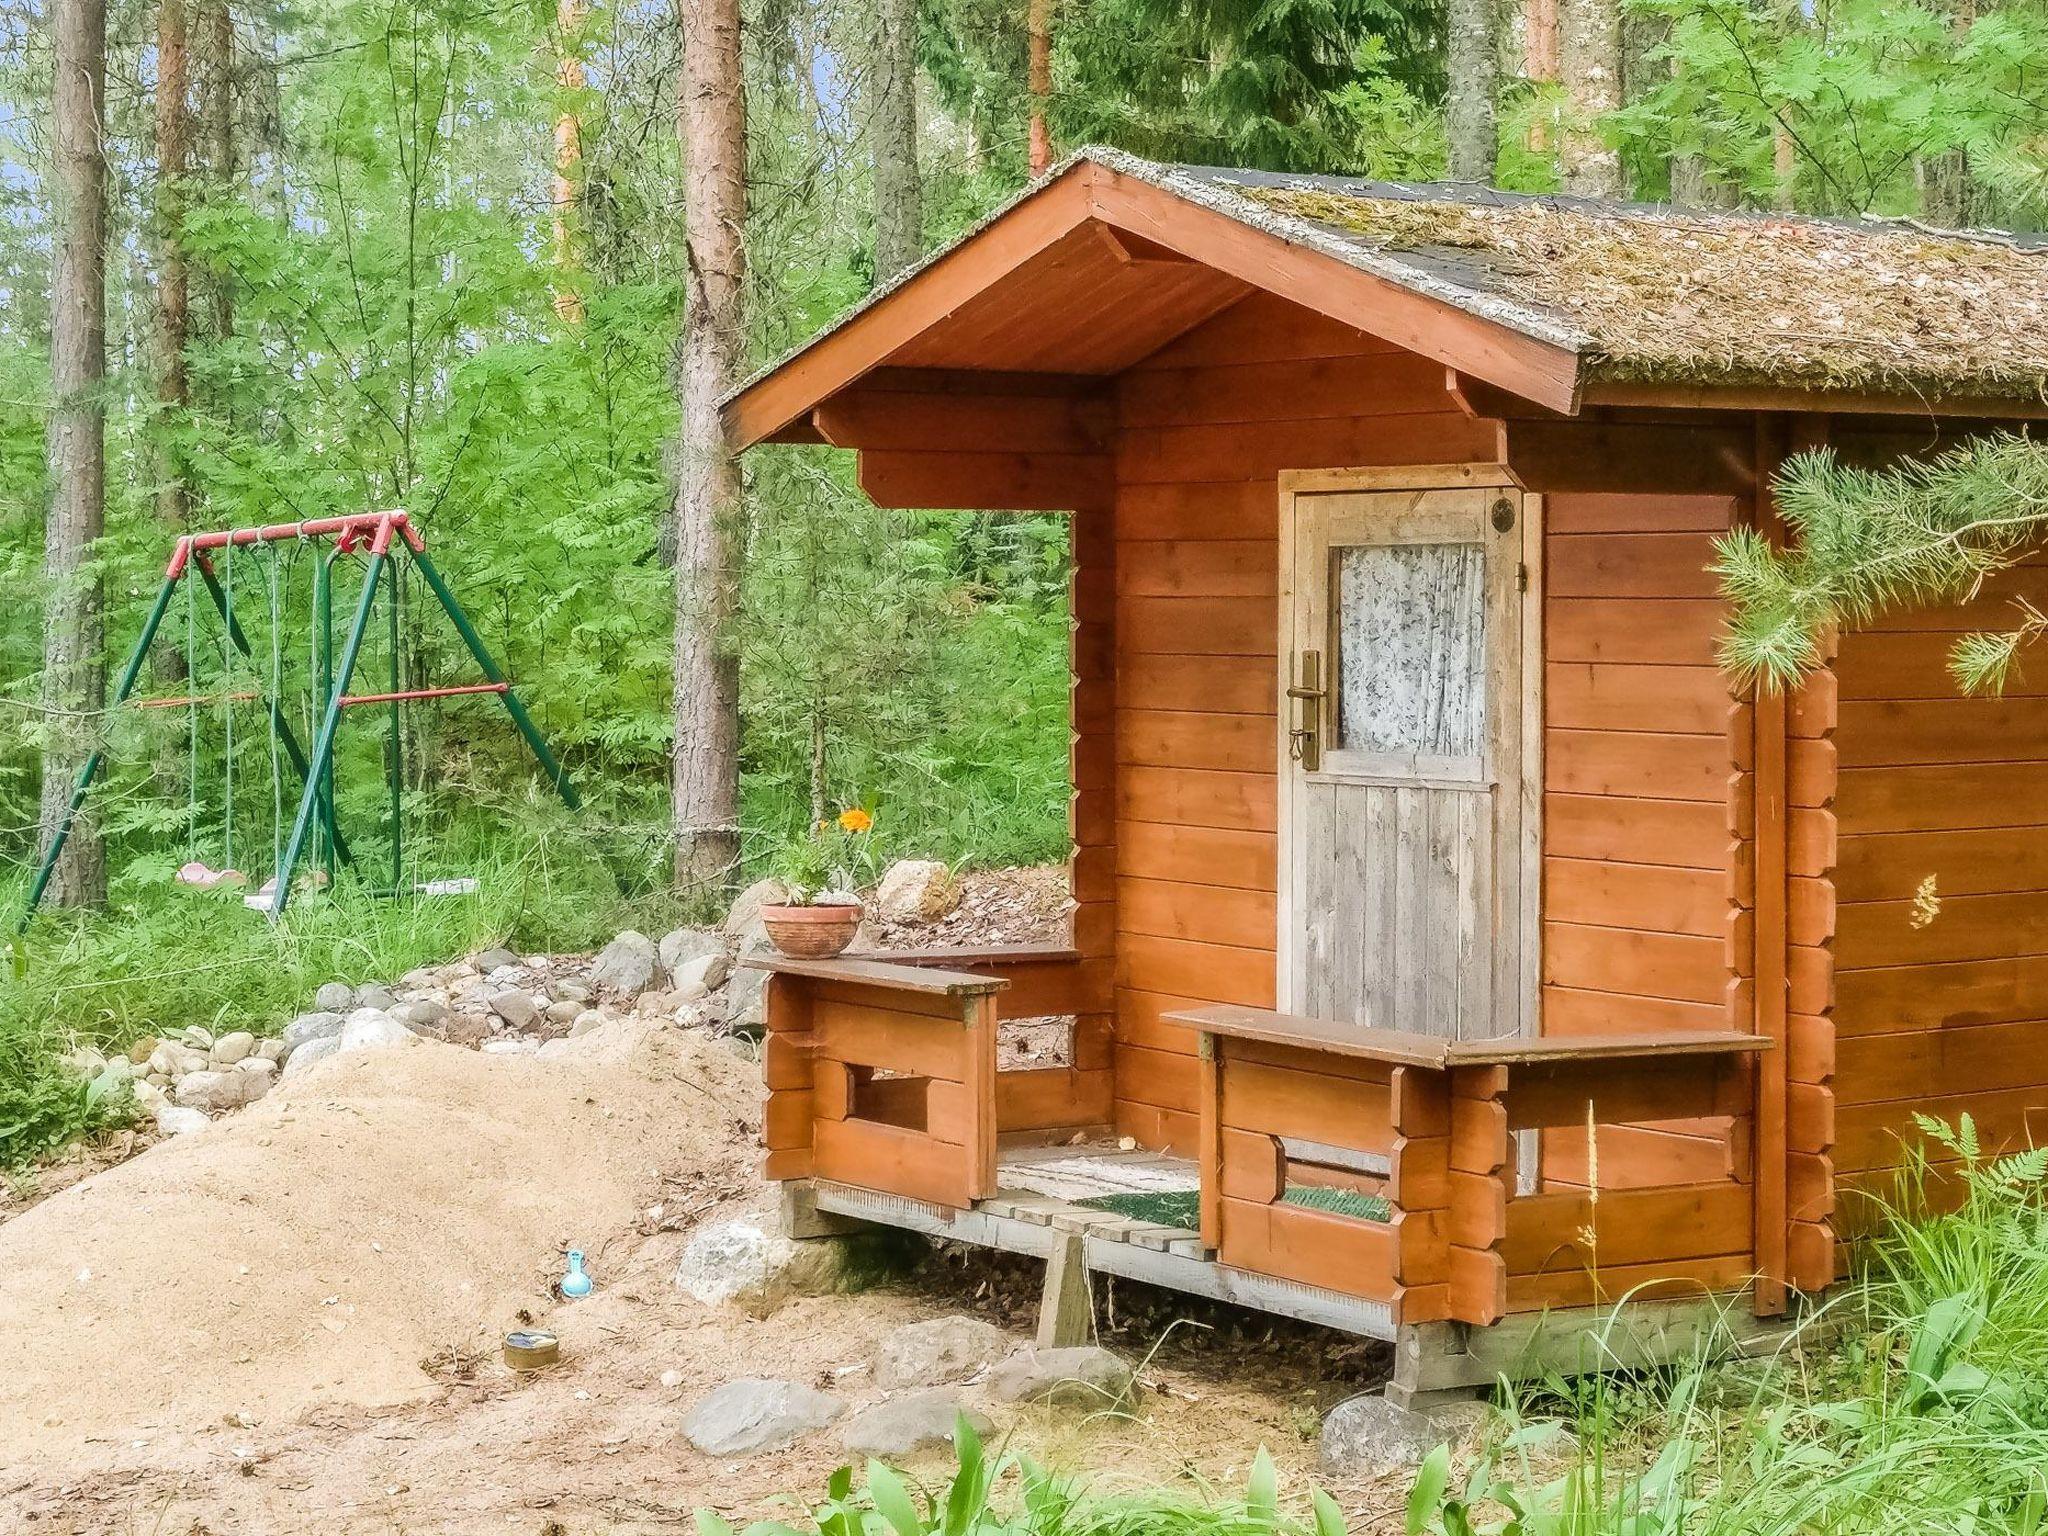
{"type": "Point", "coordinates": [942, 1350]}
{"type": "Point", "coordinates": [746, 1417]}
{"type": "Point", "coordinates": [376, 997]}
{"type": "Point", "coordinates": [743, 918]}
{"type": "Point", "coordinates": [917, 891]}
{"type": "Point", "coordinates": [491, 959]}
{"type": "Point", "coordinates": [149, 1098]}
{"type": "Point", "coordinates": [229, 1049]}
{"type": "Point", "coordinates": [905, 1425]}
{"type": "Point", "coordinates": [370, 1029]}
{"type": "Point", "coordinates": [585, 1022]}
{"type": "Point", "coordinates": [142, 1049]}
{"type": "Point", "coordinates": [197, 1037]}
{"type": "Point", "coordinates": [271, 1050]}
{"type": "Point", "coordinates": [174, 1120]}
{"type": "Point", "coordinates": [173, 1058]}
{"type": "Point", "coordinates": [511, 1045]}
{"type": "Point", "coordinates": [515, 1007]}
{"type": "Point", "coordinates": [745, 1263]}
{"type": "Point", "coordinates": [746, 1001]}
{"type": "Point", "coordinates": [627, 966]}
{"type": "Point", "coordinates": [686, 945]}
{"type": "Point", "coordinates": [569, 990]}
{"type": "Point", "coordinates": [259, 1067]}
{"type": "Point", "coordinates": [1367, 1436]}
{"type": "Point", "coordinates": [217, 1092]}
{"type": "Point", "coordinates": [696, 978]}
{"type": "Point", "coordinates": [312, 1053]}
{"type": "Point", "coordinates": [463, 1029]}
{"type": "Point", "coordinates": [564, 1012]}
{"type": "Point", "coordinates": [310, 1026]}
{"type": "Point", "coordinates": [421, 1014]}
{"type": "Point", "coordinates": [335, 997]}
{"type": "Point", "coordinates": [420, 976]}
{"type": "Point", "coordinates": [1084, 1377]}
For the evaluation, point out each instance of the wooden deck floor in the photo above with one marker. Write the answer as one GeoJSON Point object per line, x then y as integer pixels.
{"type": "Point", "coordinates": [1035, 1209]}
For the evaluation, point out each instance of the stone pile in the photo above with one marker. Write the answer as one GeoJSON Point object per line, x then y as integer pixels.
{"type": "Point", "coordinates": [496, 1002]}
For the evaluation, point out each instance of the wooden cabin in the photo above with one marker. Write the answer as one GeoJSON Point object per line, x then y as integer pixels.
{"type": "Point", "coordinates": [1453, 953]}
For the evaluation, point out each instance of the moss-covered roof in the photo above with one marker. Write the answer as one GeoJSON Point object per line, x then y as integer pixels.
{"type": "Point", "coordinates": [1654, 294]}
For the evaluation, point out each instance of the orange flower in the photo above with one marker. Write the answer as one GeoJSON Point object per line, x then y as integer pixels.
{"type": "Point", "coordinates": [854, 819]}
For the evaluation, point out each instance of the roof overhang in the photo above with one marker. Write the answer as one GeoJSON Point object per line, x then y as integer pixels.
{"type": "Point", "coordinates": [1100, 265]}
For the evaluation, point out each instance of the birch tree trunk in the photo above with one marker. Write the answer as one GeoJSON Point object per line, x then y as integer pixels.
{"type": "Point", "coordinates": [1038, 80]}
{"type": "Point", "coordinates": [173, 121]}
{"type": "Point", "coordinates": [706, 766]}
{"type": "Point", "coordinates": [74, 671]}
{"type": "Point", "coordinates": [899, 198]}
{"type": "Point", "coordinates": [1589, 61]}
{"type": "Point", "coordinates": [217, 119]}
{"type": "Point", "coordinates": [1471, 63]}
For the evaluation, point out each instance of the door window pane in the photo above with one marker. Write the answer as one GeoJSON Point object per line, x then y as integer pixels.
{"type": "Point", "coordinates": [1411, 649]}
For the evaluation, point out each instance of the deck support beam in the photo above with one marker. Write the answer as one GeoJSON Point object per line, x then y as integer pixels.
{"type": "Point", "coordinates": [1066, 1309]}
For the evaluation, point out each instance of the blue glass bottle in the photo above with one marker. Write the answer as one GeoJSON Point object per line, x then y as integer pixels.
{"type": "Point", "coordinates": [576, 1283]}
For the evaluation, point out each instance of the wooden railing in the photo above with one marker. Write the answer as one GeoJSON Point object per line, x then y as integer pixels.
{"type": "Point", "coordinates": [1432, 1129]}
{"type": "Point", "coordinates": [883, 1070]}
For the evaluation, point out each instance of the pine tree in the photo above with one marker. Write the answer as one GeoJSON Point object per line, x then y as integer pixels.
{"type": "Point", "coordinates": [1589, 58]}
{"type": "Point", "coordinates": [1471, 65]}
{"type": "Point", "coordinates": [892, 128]}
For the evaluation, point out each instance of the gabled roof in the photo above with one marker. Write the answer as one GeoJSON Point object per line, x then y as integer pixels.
{"type": "Point", "coordinates": [1540, 296]}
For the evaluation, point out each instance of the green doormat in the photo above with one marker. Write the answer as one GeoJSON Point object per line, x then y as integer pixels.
{"type": "Point", "coordinates": [1183, 1207]}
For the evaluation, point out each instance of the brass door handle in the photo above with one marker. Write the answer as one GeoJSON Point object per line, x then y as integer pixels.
{"type": "Point", "coordinates": [1305, 741]}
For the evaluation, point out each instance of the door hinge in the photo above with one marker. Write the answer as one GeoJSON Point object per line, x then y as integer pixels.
{"type": "Point", "coordinates": [1521, 577]}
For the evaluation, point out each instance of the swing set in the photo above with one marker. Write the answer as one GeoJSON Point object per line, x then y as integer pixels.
{"type": "Point", "coordinates": [385, 543]}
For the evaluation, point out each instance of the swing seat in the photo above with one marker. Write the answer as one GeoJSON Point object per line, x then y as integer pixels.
{"type": "Point", "coordinates": [205, 877]}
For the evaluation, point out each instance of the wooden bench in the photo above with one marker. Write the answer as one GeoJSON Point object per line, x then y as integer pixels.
{"type": "Point", "coordinates": [1430, 1126]}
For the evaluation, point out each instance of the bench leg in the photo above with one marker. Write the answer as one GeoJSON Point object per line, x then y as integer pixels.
{"type": "Point", "coordinates": [1066, 1312]}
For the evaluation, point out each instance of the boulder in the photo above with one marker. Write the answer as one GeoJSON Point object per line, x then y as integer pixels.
{"type": "Point", "coordinates": [746, 1263]}
{"type": "Point", "coordinates": [335, 997]}
{"type": "Point", "coordinates": [570, 990]}
{"type": "Point", "coordinates": [627, 966]}
{"type": "Point", "coordinates": [902, 1426]}
{"type": "Point", "coordinates": [917, 891]}
{"type": "Point", "coordinates": [510, 1045]}
{"type": "Point", "coordinates": [938, 1351]}
{"type": "Point", "coordinates": [421, 1014]}
{"type": "Point", "coordinates": [491, 959]}
{"type": "Point", "coordinates": [216, 1092]}
{"type": "Point", "coordinates": [685, 945]}
{"type": "Point", "coordinates": [229, 1049]}
{"type": "Point", "coordinates": [176, 1120]}
{"type": "Point", "coordinates": [259, 1067]}
{"type": "Point", "coordinates": [564, 1012]}
{"type": "Point", "coordinates": [142, 1049]}
{"type": "Point", "coordinates": [1367, 1436]}
{"type": "Point", "coordinates": [746, 1001]}
{"type": "Point", "coordinates": [312, 1053]}
{"type": "Point", "coordinates": [515, 1007]}
{"type": "Point", "coordinates": [377, 997]}
{"type": "Point", "coordinates": [747, 1417]}
{"type": "Point", "coordinates": [463, 1029]}
{"type": "Point", "coordinates": [743, 918]}
{"type": "Point", "coordinates": [271, 1050]}
{"type": "Point", "coordinates": [696, 978]}
{"type": "Point", "coordinates": [585, 1022]}
{"type": "Point", "coordinates": [371, 1029]}
{"type": "Point", "coordinates": [1084, 1377]}
{"type": "Point", "coordinates": [310, 1026]}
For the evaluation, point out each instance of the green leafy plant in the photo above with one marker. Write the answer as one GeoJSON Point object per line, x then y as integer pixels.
{"type": "Point", "coordinates": [828, 859]}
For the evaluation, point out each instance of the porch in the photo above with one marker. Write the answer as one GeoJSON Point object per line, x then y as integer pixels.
{"type": "Point", "coordinates": [1375, 1181]}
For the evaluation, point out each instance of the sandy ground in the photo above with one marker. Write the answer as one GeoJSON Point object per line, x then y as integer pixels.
{"type": "Point", "coordinates": [287, 1322]}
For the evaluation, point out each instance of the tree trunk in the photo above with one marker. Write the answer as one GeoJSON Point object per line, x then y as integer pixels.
{"type": "Point", "coordinates": [899, 202]}
{"type": "Point", "coordinates": [173, 121]}
{"type": "Point", "coordinates": [714, 122]}
{"type": "Point", "coordinates": [570, 16]}
{"type": "Point", "coordinates": [1471, 62]}
{"type": "Point", "coordinates": [217, 118]}
{"type": "Point", "coordinates": [74, 674]}
{"type": "Point", "coordinates": [1038, 81]}
{"type": "Point", "coordinates": [1589, 60]}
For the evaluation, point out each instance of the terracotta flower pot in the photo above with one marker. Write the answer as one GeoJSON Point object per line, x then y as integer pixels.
{"type": "Point", "coordinates": [811, 933]}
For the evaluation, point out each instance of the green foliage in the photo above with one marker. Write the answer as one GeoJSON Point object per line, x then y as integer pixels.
{"type": "Point", "coordinates": [1863, 92]}
{"type": "Point", "coordinates": [979, 1500]}
{"type": "Point", "coordinates": [1867, 541]}
{"type": "Point", "coordinates": [833, 854]}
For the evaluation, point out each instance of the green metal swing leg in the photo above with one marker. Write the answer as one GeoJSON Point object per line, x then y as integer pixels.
{"type": "Point", "coordinates": [513, 707]}
{"type": "Point", "coordinates": [323, 743]}
{"type": "Point", "coordinates": [287, 738]}
{"type": "Point", "coordinates": [91, 770]}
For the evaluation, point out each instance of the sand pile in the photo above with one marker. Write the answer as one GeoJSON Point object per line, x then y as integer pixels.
{"type": "Point", "coordinates": [373, 1215]}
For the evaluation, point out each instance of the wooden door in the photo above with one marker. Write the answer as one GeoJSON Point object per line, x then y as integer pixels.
{"type": "Point", "coordinates": [1402, 823]}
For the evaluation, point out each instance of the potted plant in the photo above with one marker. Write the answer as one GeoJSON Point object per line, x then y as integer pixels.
{"type": "Point", "coordinates": [817, 872]}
